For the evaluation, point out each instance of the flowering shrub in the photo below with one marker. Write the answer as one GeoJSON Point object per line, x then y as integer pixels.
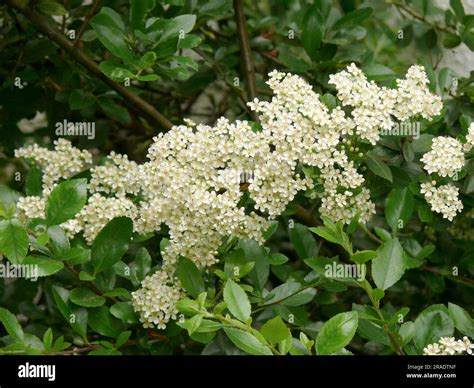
{"type": "Point", "coordinates": [302, 222]}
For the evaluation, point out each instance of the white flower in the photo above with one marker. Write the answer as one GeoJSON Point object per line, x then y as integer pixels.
{"type": "Point", "coordinates": [449, 346]}
{"type": "Point", "coordinates": [443, 199]}
{"type": "Point", "coordinates": [156, 300]}
{"type": "Point", "coordinates": [446, 157]}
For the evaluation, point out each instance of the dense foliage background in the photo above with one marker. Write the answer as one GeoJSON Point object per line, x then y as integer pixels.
{"type": "Point", "coordinates": [135, 68]}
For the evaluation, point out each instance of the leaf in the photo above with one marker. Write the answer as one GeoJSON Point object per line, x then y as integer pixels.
{"type": "Point", "coordinates": [13, 240]}
{"type": "Point", "coordinates": [389, 266]}
{"type": "Point", "coordinates": [378, 167]}
{"type": "Point", "coordinates": [458, 8]}
{"type": "Point", "coordinates": [138, 11]}
{"type": "Point", "coordinates": [140, 267]}
{"type": "Point", "coordinates": [255, 252]}
{"type": "Point", "coordinates": [124, 311]}
{"type": "Point", "coordinates": [290, 293]}
{"type": "Point", "coordinates": [86, 298]}
{"type": "Point", "coordinates": [237, 301]}
{"type": "Point", "coordinates": [337, 333]}
{"type": "Point", "coordinates": [102, 322]}
{"type": "Point", "coordinates": [377, 72]}
{"type": "Point", "coordinates": [114, 110]}
{"type": "Point", "coordinates": [34, 182]}
{"type": "Point", "coordinates": [75, 316]}
{"type": "Point", "coordinates": [59, 241]}
{"type": "Point", "coordinates": [353, 18]}
{"type": "Point", "coordinates": [190, 277]}
{"type": "Point", "coordinates": [275, 330]}
{"type": "Point", "coordinates": [362, 257]}
{"type": "Point", "coordinates": [462, 320]}
{"type": "Point", "coordinates": [303, 242]}
{"type": "Point", "coordinates": [111, 243]}
{"type": "Point", "coordinates": [147, 60]}
{"type": "Point", "coordinates": [400, 205]}
{"type": "Point", "coordinates": [431, 324]}
{"type": "Point", "coordinates": [277, 259]}
{"type": "Point", "coordinates": [247, 342]}
{"type": "Point", "coordinates": [65, 201]}
{"type": "Point", "coordinates": [44, 266]}
{"type": "Point", "coordinates": [312, 31]}
{"type": "Point", "coordinates": [108, 26]}
{"type": "Point", "coordinates": [11, 324]}
{"type": "Point", "coordinates": [51, 8]}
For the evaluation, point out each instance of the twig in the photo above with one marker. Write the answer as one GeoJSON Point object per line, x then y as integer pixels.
{"type": "Point", "coordinates": [135, 102]}
{"type": "Point", "coordinates": [246, 53]}
{"type": "Point", "coordinates": [86, 21]}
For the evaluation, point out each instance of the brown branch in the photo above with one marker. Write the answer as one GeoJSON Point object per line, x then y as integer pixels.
{"type": "Point", "coordinates": [135, 102]}
{"type": "Point", "coordinates": [86, 21]}
{"type": "Point", "coordinates": [246, 53]}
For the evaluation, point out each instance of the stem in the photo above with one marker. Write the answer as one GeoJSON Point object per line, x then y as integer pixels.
{"type": "Point", "coordinates": [412, 13]}
{"type": "Point", "coordinates": [135, 102]}
{"type": "Point", "coordinates": [246, 53]}
{"type": "Point", "coordinates": [92, 285]}
{"type": "Point", "coordinates": [86, 21]}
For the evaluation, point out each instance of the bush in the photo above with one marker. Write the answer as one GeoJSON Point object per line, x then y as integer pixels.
{"type": "Point", "coordinates": [218, 177]}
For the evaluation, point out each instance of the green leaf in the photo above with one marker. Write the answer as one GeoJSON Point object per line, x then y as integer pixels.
{"type": "Point", "coordinates": [247, 342]}
{"type": "Point", "coordinates": [34, 182]}
{"type": "Point", "coordinates": [124, 311]}
{"type": "Point", "coordinates": [462, 320]}
{"type": "Point", "coordinates": [102, 322]}
{"type": "Point", "coordinates": [65, 201]}
{"type": "Point", "coordinates": [354, 18]}
{"type": "Point", "coordinates": [80, 99]}
{"type": "Point", "coordinates": [337, 333]}
{"type": "Point", "coordinates": [237, 301]}
{"type": "Point", "coordinates": [108, 26]}
{"type": "Point", "coordinates": [312, 31]}
{"type": "Point", "coordinates": [86, 298]}
{"type": "Point", "coordinates": [400, 205]}
{"type": "Point", "coordinates": [147, 60]}
{"type": "Point", "coordinates": [389, 266]}
{"type": "Point", "coordinates": [378, 167]}
{"type": "Point", "coordinates": [377, 72]}
{"type": "Point", "coordinates": [111, 243]}
{"type": "Point", "coordinates": [290, 293]}
{"type": "Point", "coordinates": [75, 316]}
{"type": "Point", "coordinates": [51, 8]}
{"type": "Point", "coordinates": [253, 251]}
{"type": "Point", "coordinates": [11, 324]}
{"type": "Point", "coordinates": [122, 338]}
{"type": "Point", "coordinates": [114, 110]}
{"type": "Point", "coordinates": [303, 241]}
{"type": "Point", "coordinates": [48, 339]}
{"type": "Point", "coordinates": [13, 240]}
{"type": "Point", "coordinates": [275, 330]}
{"type": "Point", "coordinates": [432, 324]}
{"type": "Point", "coordinates": [277, 259]}
{"type": "Point", "coordinates": [458, 8]}
{"type": "Point", "coordinates": [59, 241]}
{"type": "Point", "coordinates": [190, 277]}
{"type": "Point", "coordinates": [138, 12]}
{"type": "Point", "coordinates": [362, 257]}
{"type": "Point", "coordinates": [44, 266]}
{"type": "Point", "coordinates": [140, 267]}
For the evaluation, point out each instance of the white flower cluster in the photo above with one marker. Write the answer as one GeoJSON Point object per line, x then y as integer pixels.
{"type": "Point", "coordinates": [62, 163]}
{"type": "Point", "coordinates": [469, 138]}
{"type": "Point", "coordinates": [156, 300]}
{"type": "Point", "coordinates": [192, 180]}
{"type": "Point", "coordinates": [374, 107]}
{"type": "Point", "coordinates": [446, 157]}
{"type": "Point", "coordinates": [449, 346]}
{"type": "Point", "coordinates": [443, 199]}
